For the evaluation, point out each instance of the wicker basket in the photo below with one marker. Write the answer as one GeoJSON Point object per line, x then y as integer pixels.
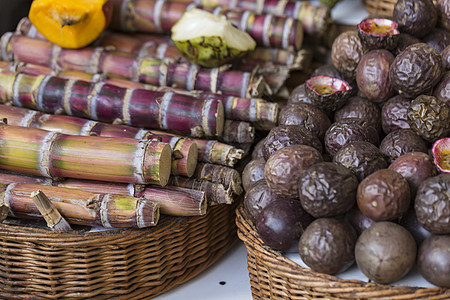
{"type": "Point", "coordinates": [118, 264]}
{"type": "Point", "coordinates": [273, 276]}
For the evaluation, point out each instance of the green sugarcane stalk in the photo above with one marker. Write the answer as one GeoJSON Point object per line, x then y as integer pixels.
{"type": "Point", "coordinates": [153, 71]}
{"type": "Point", "coordinates": [184, 154]}
{"type": "Point", "coordinates": [40, 152]}
{"type": "Point", "coordinates": [172, 200]}
{"type": "Point", "coordinates": [81, 207]}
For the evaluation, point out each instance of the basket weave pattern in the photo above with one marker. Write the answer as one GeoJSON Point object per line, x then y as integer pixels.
{"type": "Point", "coordinates": [273, 276]}
{"type": "Point", "coordinates": [120, 264]}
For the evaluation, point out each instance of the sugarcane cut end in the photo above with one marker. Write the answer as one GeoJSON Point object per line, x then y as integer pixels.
{"type": "Point", "coordinates": [165, 165]}
{"type": "Point", "coordinates": [192, 159]}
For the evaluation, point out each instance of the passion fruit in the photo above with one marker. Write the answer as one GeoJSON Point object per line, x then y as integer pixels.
{"type": "Point", "coordinates": [441, 154]}
{"type": "Point", "coordinates": [378, 33]}
{"type": "Point", "coordinates": [416, 17]}
{"type": "Point", "coordinates": [253, 171]}
{"type": "Point", "coordinates": [400, 142]}
{"type": "Point", "coordinates": [443, 11]}
{"type": "Point", "coordinates": [442, 89]}
{"type": "Point", "coordinates": [394, 114]}
{"type": "Point", "coordinates": [346, 52]}
{"type": "Point", "coordinates": [429, 117]}
{"type": "Point", "coordinates": [433, 260]}
{"type": "Point", "coordinates": [360, 108]}
{"type": "Point", "coordinates": [327, 93]}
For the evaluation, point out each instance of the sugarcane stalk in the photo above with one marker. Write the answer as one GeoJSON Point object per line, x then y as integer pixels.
{"type": "Point", "coordinates": [174, 201]}
{"type": "Point", "coordinates": [238, 132]}
{"type": "Point", "coordinates": [56, 155]}
{"type": "Point", "coordinates": [216, 193]}
{"type": "Point", "coordinates": [112, 104]}
{"type": "Point", "coordinates": [149, 70]}
{"type": "Point", "coordinates": [48, 211]}
{"type": "Point", "coordinates": [184, 150]}
{"type": "Point", "coordinates": [81, 207]}
{"type": "Point", "coordinates": [229, 177]}
{"type": "Point", "coordinates": [159, 16]}
{"type": "Point", "coordinates": [314, 18]}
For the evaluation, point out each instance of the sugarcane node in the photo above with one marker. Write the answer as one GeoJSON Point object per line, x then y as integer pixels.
{"type": "Point", "coordinates": [147, 213]}
{"type": "Point", "coordinates": [46, 208]}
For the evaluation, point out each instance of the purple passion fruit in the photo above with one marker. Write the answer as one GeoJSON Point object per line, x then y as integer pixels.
{"type": "Point", "coordinates": [394, 114]}
{"type": "Point", "coordinates": [378, 33]}
{"type": "Point", "coordinates": [416, 17]}
{"type": "Point", "coordinates": [383, 195]}
{"type": "Point", "coordinates": [441, 154]}
{"type": "Point", "coordinates": [432, 204]}
{"type": "Point", "coordinates": [433, 260]}
{"type": "Point", "coordinates": [442, 89]}
{"type": "Point", "coordinates": [253, 172]}
{"type": "Point", "coordinates": [327, 93]}
{"type": "Point", "coordinates": [400, 142]}
{"type": "Point", "coordinates": [346, 52]}
{"type": "Point", "coordinates": [443, 11]}
{"type": "Point", "coordinates": [284, 168]}
{"type": "Point", "coordinates": [327, 245]}
{"type": "Point", "coordinates": [257, 197]}
{"type": "Point", "coordinates": [360, 108]}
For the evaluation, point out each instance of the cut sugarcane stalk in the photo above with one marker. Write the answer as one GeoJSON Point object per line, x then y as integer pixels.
{"type": "Point", "coordinates": [112, 104]}
{"type": "Point", "coordinates": [153, 71]}
{"type": "Point", "coordinates": [159, 17]}
{"type": "Point", "coordinates": [238, 132]}
{"type": "Point", "coordinates": [182, 164]}
{"type": "Point", "coordinates": [216, 193]}
{"type": "Point", "coordinates": [229, 177]}
{"type": "Point", "coordinates": [81, 207]}
{"type": "Point", "coordinates": [261, 112]}
{"type": "Point", "coordinates": [174, 201]}
{"type": "Point", "coordinates": [210, 40]}
{"type": "Point", "coordinates": [48, 211]}
{"type": "Point", "coordinates": [51, 154]}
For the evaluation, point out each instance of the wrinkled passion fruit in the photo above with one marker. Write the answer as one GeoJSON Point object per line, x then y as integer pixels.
{"type": "Point", "coordinates": [284, 168]}
{"type": "Point", "coordinates": [442, 89]}
{"type": "Point", "coordinates": [360, 108]}
{"type": "Point", "coordinates": [416, 70]}
{"type": "Point", "coordinates": [446, 57]}
{"type": "Point", "coordinates": [416, 17]}
{"type": "Point", "coordinates": [432, 205]}
{"type": "Point", "coordinates": [383, 195]}
{"type": "Point", "coordinates": [441, 154]}
{"type": "Point", "coordinates": [429, 117]}
{"type": "Point", "coordinates": [327, 245]}
{"type": "Point", "coordinates": [378, 33]}
{"type": "Point", "coordinates": [443, 11]}
{"type": "Point", "coordinates": [327, 93]}
{"type": "Point", "coordinates": [372, 75]}
{"type": "Point", "coordinates": [400, 142]}
{"type": "Point", "coordinates": [394, 114]}
{"type": "Point", "coordinates": [346, 52]}
{"type": "Point", "coordinates": [327, 189]}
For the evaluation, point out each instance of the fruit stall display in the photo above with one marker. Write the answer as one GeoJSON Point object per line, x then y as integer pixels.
{"type": "Point", "coordinates": [125, 128]}
{"type": "Point", "coordinates": [349, 193]}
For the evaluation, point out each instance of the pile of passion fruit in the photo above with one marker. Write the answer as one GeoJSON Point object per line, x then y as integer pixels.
{"type": "Point", "coordinates": [357, 169]}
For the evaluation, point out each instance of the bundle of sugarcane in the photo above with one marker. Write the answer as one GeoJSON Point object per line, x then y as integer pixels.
{"type": "Point", "coordinates": [56, 155]}
{"type": "Point", "coordinates": [172, 200]}
{"type": "Point", "coordinates": [80, 207]}
{"type": "Point", "coordinates": [112, 104]}
{"type": "Point", "coordinates": [184, 150]}
{"type": "Point", "coordinates": [314, 18]}
{"type": "Point", "coordinates": [149, 70]}
{"type": "Point", "coordinates": [159, 17]}
{"type": "Point", "coordinates": [161, 46]}
{"type": "Point", "coordinates": [259, 112]}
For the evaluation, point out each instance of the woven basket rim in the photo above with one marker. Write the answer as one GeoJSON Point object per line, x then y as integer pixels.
{"type": "Point", "coordinates": [329, 285]}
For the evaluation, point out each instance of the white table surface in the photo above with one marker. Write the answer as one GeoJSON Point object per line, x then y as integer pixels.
{"type": "Point", "coordinates": [228, 278]}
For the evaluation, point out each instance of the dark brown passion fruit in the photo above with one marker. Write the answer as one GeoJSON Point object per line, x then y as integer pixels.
{"type": "Point", "coordinates": [443, 11]}
{"type": "Point", "coordinates": [442, 89]}
{"type": "Point", "coordinates": [346, 52]}
{"type": "Point", "coordinates": [327, 93]}
{"type": "Point", "coordinates": [383, 195]}
{"type": "Point", "coordinates": [348, 130]}
{"type": "Point", "coordinates": [378, 33]}
{"type": "Point", "coordinates": [429, 117]}
{"type": "Point", "coordinates": [446, 57]}
{"type": "Point", "coordinates": [394, 114]}
{"type": "Point", "coordinates": [286, 135]}
{"type": "Point", "coordinates": [416, 70]}
{"type": "Point", "coordinates": [409, 221]}
{"type": "Point", "coordinates": [257, 197]}
{"type": "Point", "coordinates": [327, 189]}
{"type": "Point", "coordinates": [327, 245]}
{"type": "Point", "coordinates": [433, 260]}
{"type": "Point", "coordinates": [438, 38]}
{"type": "Point", "coordinates": [360, 108]}
{"type": "Point", "coordinates": [372, 75]}
{"type": "Point", "coordinates": [298, 95]}
{"type": "Point", "coordinates": [358, 220]}
{"type": "Point", "coordinates": [405, 40]}
{"type": "Point", "coordinates": [253, 171]}
{"type": "Point", "coordinates": [362, 158]}
{"type": "Point", "coordinates": [400, 142]}
{"type": "Point", "coordinates": [281, 223]}
{"type": "Point", "coordinates": [441, 154]}
{"type": "Point", "coordinates": [284, 168]}
{"type": "Point", "coordinates": [416, 17]}
{"type": "Point", "coordinates": [432, 204]}
{"type": "Point", "coordinates": [415, 167]}
{"type": "Point", "coordinates": [306, 115]}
